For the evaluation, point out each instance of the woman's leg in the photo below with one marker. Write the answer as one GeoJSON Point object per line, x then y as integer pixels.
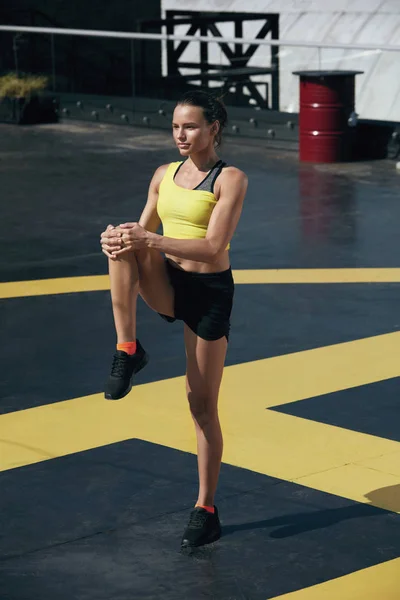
{"type": "Point", "coordinates": [137, 272]}
{"type": "Point", "coordinates": [124, 285]}
{"type": "Point", "coordinates": [205, 364]}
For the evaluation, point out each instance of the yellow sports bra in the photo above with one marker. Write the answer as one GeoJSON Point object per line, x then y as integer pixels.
{"type": "Point", "coordinates": [185, 213]}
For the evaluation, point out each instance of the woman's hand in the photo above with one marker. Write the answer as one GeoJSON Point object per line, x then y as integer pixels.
{"type": "Point", "coordinates": [133, 236]}
{"type": "Point", "coordinates": [111, 241]}
{"type": "Point", "coordinates": [128, 237]}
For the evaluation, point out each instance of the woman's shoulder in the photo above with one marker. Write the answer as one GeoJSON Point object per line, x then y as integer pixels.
{"type": "Point", "coordinates": [231, 178]}
{"type": "Point", "coordinates": [230, 174]}
{"type": "Point", "coordinates": [161, 171]}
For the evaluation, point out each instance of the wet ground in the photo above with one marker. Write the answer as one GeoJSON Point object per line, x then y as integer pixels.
{"type": "Point", "coordinates": [94, 498]}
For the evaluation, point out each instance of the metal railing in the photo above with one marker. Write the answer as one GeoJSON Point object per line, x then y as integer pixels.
{"type": "Point", "coordinates": [102, 66]}
{"type": "Point", "coordinates": [198, 38]}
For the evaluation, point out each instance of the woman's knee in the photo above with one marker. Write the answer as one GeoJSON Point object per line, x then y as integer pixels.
{"type": "Point", "coordinates": [203, 408]}
{"type": "Point", "coordinates": [124, 269]}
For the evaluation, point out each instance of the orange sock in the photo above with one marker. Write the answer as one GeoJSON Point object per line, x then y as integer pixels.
{"type": "Point", "coordinates": [128, 347]}
{"type": "Point", "coordinates": [209, 509]}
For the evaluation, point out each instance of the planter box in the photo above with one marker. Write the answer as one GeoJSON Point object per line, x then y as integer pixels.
{"type": "Point", "coordinates": [29, 111]}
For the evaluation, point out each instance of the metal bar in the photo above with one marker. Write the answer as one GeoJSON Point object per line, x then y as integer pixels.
{"type": "Point", "coordinates": [238, 34]}
{"type": "Point", "coordinates": [53, 62]}
{"type": "Point", "coordinates": [238, 54]}
{"type": "Point", "coordinates": [209, 66]}
{"type": "Point", "coordinates": [133, 73]}
{"type": "Point", "coordinates": [183, 45]}
{"type": "Point", "coordinates": [230, 70]}
{"type": "Point", "coordinates": [228, 40]}
{"type": "Point", "coordinates": [275, 77]}
{"type": "Point", "coordinates": [255, 94]}
{"type": "Point", "coordinates": [15, 50]}
{"type": "Point", "coordinates": [224, 75]}
{"type": "Point", "coordinates": [186, 20]}
{"type": "Point", "coordinates": [224, 47]}
{"type": "Point", "coordinates": [203, 52]}
{"type": "Point", "coordinates": [172, 62]}
{"type": "Point", "coordinates": [138, 51]}
{"type": "Point", "coordinates": [265, 29]}
{"type": "Point", "coordinates": [228, 16]}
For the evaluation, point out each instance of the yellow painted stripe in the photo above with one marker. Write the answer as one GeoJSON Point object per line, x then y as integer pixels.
{"type": "Point", "coordinates": [279, 276]}
{"type": "Point", "coordinates": [94, 283]}
{"type": "Point", "coordinates": [264, 441]}
{"type": "Point", "coordinates": [380, 582]}
{"type": "Point", "coordinates": [282, 379]}
{"type": "Point", "coordinates": [43, 287]}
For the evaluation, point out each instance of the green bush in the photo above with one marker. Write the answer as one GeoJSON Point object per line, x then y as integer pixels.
{"type": "Point", "coordinates": [12, 86]}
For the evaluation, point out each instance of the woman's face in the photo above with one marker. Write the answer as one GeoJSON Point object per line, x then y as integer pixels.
{"type": "Point", "coordinates": [192, 133]}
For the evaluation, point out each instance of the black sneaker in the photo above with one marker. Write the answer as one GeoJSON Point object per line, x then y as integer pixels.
{"type": "Point", "coordinates": [123, 368]}
{"type": "Point", "coordinates": [203, 528]}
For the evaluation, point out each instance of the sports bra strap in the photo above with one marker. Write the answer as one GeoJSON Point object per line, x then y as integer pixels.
{"type": "Point", "coordinates": [218, 170]}
{"type": "Point", "coordinates": [207, 185]}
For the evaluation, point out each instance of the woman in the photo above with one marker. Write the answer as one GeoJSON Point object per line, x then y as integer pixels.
{"type": "Point", "coordinates": [183, 274]}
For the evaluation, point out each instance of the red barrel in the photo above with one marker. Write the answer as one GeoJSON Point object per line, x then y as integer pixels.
{"type": "Point", "coordinates": [327, 99]}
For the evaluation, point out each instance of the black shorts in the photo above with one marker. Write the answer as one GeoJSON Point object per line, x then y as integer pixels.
{"type": "Point", "coordinates": [203, 301]}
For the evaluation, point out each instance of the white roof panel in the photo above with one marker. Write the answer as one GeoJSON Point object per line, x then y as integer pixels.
{"type": "Point", "coordinates": [339, 21]}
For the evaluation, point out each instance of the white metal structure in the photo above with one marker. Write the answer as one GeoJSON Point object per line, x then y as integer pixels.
{"type": "Point", "coordinates": [378, 91]}
{"type": "Point", "coordinates": [355, 23]}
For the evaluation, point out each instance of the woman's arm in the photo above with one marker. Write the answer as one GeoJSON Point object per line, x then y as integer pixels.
{"type": "Point", "coordinates": [111, 238]}
{"type": "Point", "coordinates": [149, 218]}
{"type": "Point", "coordinates": [223, 222]}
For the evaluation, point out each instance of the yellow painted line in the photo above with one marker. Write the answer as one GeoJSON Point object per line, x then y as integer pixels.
{"type": "Point", "coordinates": [95, 283]}
{"type": "Point", "coordinates": [380, 582]}
{"type": "Point", "coordinates": [283, 379]}
{"type": "Point", "coordinates": [44, 287]}
{"type": "Point", "coordinates": [265, 441]}
{"type": "Point", "coordinates": [280, 276]}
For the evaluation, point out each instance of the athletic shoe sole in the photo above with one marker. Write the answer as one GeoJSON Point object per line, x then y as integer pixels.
{"type": "Point", "coordinates": [214, 538]}
{"type": "Point", "coordinates": [138, 368]}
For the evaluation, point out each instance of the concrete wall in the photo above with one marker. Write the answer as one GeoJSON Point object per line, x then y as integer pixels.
{"type": "Point", "coordinates": [342, 21]}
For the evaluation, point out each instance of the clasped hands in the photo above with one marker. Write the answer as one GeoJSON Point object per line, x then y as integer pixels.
{"type": "Point", "coordinates": [122, 239]}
